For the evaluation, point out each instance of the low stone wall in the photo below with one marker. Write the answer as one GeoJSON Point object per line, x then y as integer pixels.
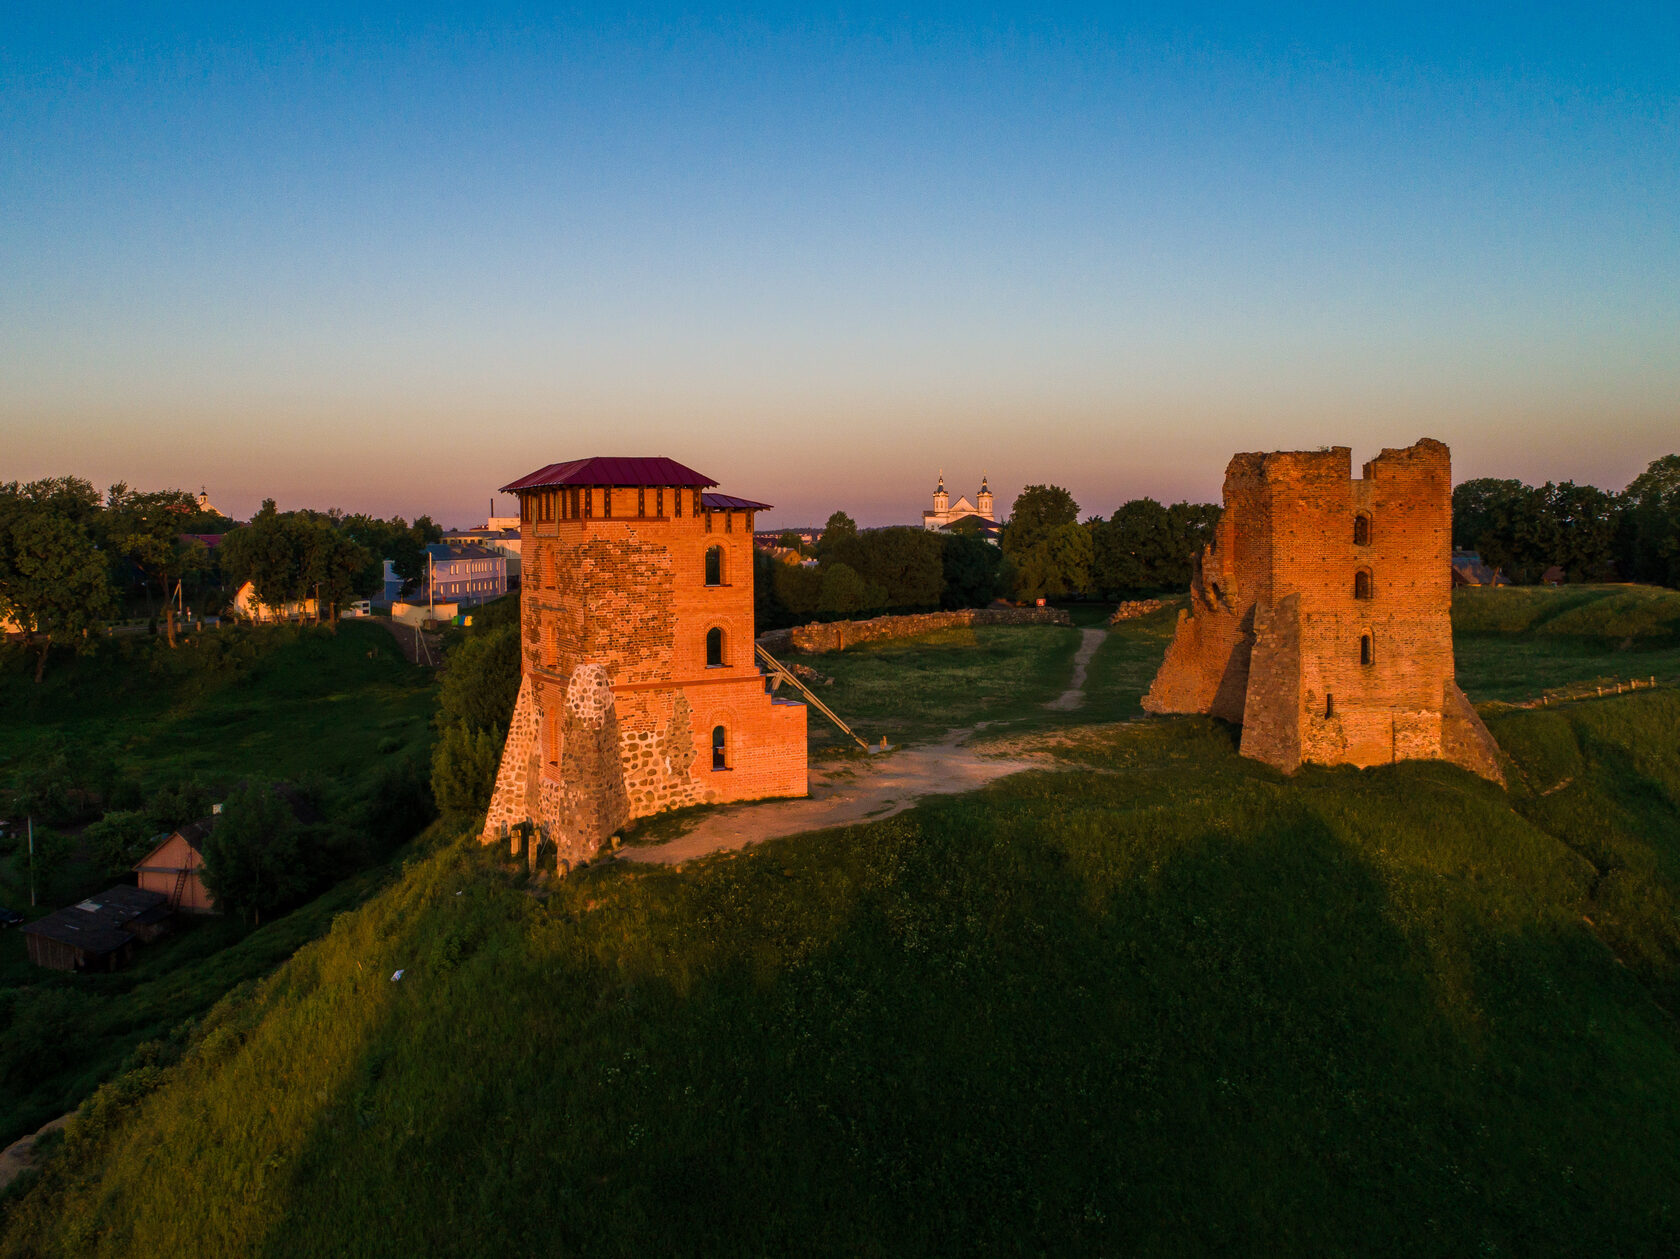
{"type": "Point", "coordinates": [839, 635]}
{"type": "Point", "coordinates": [1136, 608]}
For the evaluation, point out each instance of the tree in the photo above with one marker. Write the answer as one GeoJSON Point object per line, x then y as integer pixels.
{"type": "Point", "coordinates": [147, 530]}
{"type": "Point", "coordinates": [289, 557]}
{"type": "Point", "coordinates": [481, 684]}
{"type": "Point", "coordinates": [970, 568]}
{"type": "Point", "coordinates": [840, 529]}
{"type": "Point", "coordinates": [1648, 527]}
{"type": "Point", "coordinates": [843, 591]}
{"type": "Point", "coordinates": [53, 580]}
{"type": "Point", "coordinates": [1056, 566]}
{"type": "Point", "coordinates": [905, 564]}
{"type": "Point", "coordinates": [253, 863]}
{"type": "Point", "coordinates": [464, 764]}
{"type": "Point", "coordinates": [119, 839]}
{"type": "Point", "coordinates": [1146, 547]}
{"type": "Point", "coordinates": [1038, 512]}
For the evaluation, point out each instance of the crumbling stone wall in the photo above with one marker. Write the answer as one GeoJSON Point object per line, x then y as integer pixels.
{"type": "Point", "coordinates": [820, 636]}
{"type": "Point", "coordinates": [1320, 615]}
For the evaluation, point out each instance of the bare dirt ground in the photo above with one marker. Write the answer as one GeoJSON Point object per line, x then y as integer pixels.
{"type": "Point", "coordinates": [846, 792]}
{"type": "Point", "coordinates": [1074, 696]}
{"type": "Point", "coordinates": [842, 793]}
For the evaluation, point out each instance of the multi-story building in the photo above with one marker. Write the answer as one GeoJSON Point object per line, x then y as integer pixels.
{"type": "Point", "coordinates": [464, 574]}
{"type": "Point", "coordinates": [640, 690]}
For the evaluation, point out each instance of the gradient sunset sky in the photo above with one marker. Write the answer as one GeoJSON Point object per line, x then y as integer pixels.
{"type": "Point", "coordinates": [389, 258]}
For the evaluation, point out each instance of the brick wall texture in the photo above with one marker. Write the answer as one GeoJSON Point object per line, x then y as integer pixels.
{"type": "Point", "coordinates": [820, 636]}
{"type": "Point", "coordinates": [633, 663]}
{"type": "Point", "coordinates": [1321, 615]}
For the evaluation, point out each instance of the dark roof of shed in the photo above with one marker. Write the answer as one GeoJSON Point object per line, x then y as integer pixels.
{"type": "Point", "coordinates": [609, 471]}
{"type": "Point", "coordinates": [96, 924]}
{"type": "Point", "coordinates": [728, 502]}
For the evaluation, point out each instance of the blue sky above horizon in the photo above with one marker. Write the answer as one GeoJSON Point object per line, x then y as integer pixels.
{"type": "Point", "coordinates": [392, 257]}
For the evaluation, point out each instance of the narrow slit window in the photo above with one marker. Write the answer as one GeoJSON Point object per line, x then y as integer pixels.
{"type": "Point", "coordinates": [714, 566]}
{"type": "Point", "coordinates": [720, 748]}
{"type": "Point", "coordinates": [714, 648]}
{"type": "Point", "coordinates": [1362, 584]}
{"type": "Point", "coordinates": [1367, 654]}
{"type": "Point", "coordinates": [1329, 706]}
{"type": "Point", "coordinates": [1362, 530]}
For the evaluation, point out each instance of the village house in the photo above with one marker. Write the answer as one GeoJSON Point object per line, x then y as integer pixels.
{"type": "Point", "coordinates": [248, 607]}
{"type": "Point", "coordinates": [175, 868]}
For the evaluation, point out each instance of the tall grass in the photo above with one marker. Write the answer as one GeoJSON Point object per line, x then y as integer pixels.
{"type": "Point", "coordinates": [1163, 1002]}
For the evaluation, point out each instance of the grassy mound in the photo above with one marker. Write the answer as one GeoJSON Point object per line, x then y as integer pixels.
{"type": "Point", "coordinates": [1514, 642]}
{"type": "Point", "coordinates": [1164, 1001]}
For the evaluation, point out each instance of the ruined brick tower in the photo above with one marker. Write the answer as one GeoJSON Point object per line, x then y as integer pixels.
{"type": "Point", "coordinates": [639, 690]}
{"type": "Point", "coordinates": [1321, 615]}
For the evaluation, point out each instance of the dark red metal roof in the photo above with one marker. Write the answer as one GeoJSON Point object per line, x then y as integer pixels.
{"type": "Point", "coordinates": [600, 471]}
{"type": "Point", "coordinates": [728, 502]}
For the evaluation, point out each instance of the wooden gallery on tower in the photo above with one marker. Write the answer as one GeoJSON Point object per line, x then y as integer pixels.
{"type": "Point", "coordinates": [639, 689]}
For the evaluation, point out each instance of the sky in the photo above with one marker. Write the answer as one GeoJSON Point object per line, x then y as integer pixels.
{"type": "Point", "coordinates": [391, 257]}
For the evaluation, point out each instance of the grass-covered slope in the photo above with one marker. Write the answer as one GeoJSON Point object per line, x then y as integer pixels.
{"type": "Point", "coordinates": [1514, 642]}
{"type": "Point", "coordinates": [1162, 1002]}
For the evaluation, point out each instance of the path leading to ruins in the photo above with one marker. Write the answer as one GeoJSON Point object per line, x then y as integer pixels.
{"type": "Point", "coordinates": [847, 792]}
{"type": "Point", "coordinates": [1074, 696]}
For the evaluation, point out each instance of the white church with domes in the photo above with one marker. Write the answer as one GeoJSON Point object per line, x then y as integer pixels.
{"type": "Point", "coordinates": [977, 514]}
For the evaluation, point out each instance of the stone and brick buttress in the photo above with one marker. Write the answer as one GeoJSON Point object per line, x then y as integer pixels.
{"type": "Point", "coordinates": [1321, 615]}
{"type": "Point", "coordinates": [640, 691]}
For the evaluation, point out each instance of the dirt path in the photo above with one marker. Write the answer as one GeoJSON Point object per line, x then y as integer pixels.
{"type": "Point", "coordinates": [846, 792]}
{"type": "Point", "coordinates": [1074, 696]}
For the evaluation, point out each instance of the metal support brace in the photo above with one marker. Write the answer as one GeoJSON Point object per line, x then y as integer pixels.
{"type": "Point", "coordinates": [779, 673]}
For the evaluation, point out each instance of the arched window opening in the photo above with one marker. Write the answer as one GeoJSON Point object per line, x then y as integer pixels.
{"type": "Point", "coordinates": [720, 748]}
{"type": "Point", "coordinates": [714, 648]}
{"type": "Point", "coordinates": [1362, 530]}
{"type": "Point", "coordinates": [714, 566]}
{"type": "Point", "coordinates": [1367, 654]}
{"type": "Point", "coordinates": [1329, 705]}
{"type": "Point", "coordinates": [1362, 584]}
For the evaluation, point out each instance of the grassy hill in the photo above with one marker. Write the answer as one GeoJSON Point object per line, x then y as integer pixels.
{"type": "Point", "coordinates": [1161, 1000]}
{"type": "Point", "coordinates": [334, 709]}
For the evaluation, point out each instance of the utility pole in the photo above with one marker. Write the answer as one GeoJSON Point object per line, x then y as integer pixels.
{"type": "Point", "coordinates": [32, 861]}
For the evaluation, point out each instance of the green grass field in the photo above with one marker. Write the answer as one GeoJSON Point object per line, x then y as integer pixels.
{"type": "Point", "coordinates": [1161, 1000]}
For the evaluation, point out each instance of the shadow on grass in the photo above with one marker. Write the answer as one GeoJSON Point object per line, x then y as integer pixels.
{"type": "Point", "coordinates": [1161, 1037]}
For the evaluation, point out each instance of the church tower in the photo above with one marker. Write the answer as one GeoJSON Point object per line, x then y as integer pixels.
{"type": "Point", "coordinates": [983, 500]}
{"type": "Point", "coordinates": [941, 500]}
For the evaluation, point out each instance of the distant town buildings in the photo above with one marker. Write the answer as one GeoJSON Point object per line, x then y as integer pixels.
{"type": "Point", "coordinates": [464, 574]}
{"type": "Point", "coordinates": [499, 533]}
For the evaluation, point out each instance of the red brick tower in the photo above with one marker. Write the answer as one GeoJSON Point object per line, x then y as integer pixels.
{"type": "Point", "coordinates": [640, 690]}
{"type": "Point", "coordinates": [1321, 614]}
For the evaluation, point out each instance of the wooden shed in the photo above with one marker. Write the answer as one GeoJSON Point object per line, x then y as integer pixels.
{"type": "Point", "coordinates": [175, 868]}
{"type": "Point", "coordinates": [100, 933]}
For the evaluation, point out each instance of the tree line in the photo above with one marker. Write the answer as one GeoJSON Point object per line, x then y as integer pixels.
{"type": "Point", "coordinates": [72, 558]}
{"type": "Point", "coordinates": [1588, 533]}
{"type": "Point", "coordinates": [1044, 552]}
